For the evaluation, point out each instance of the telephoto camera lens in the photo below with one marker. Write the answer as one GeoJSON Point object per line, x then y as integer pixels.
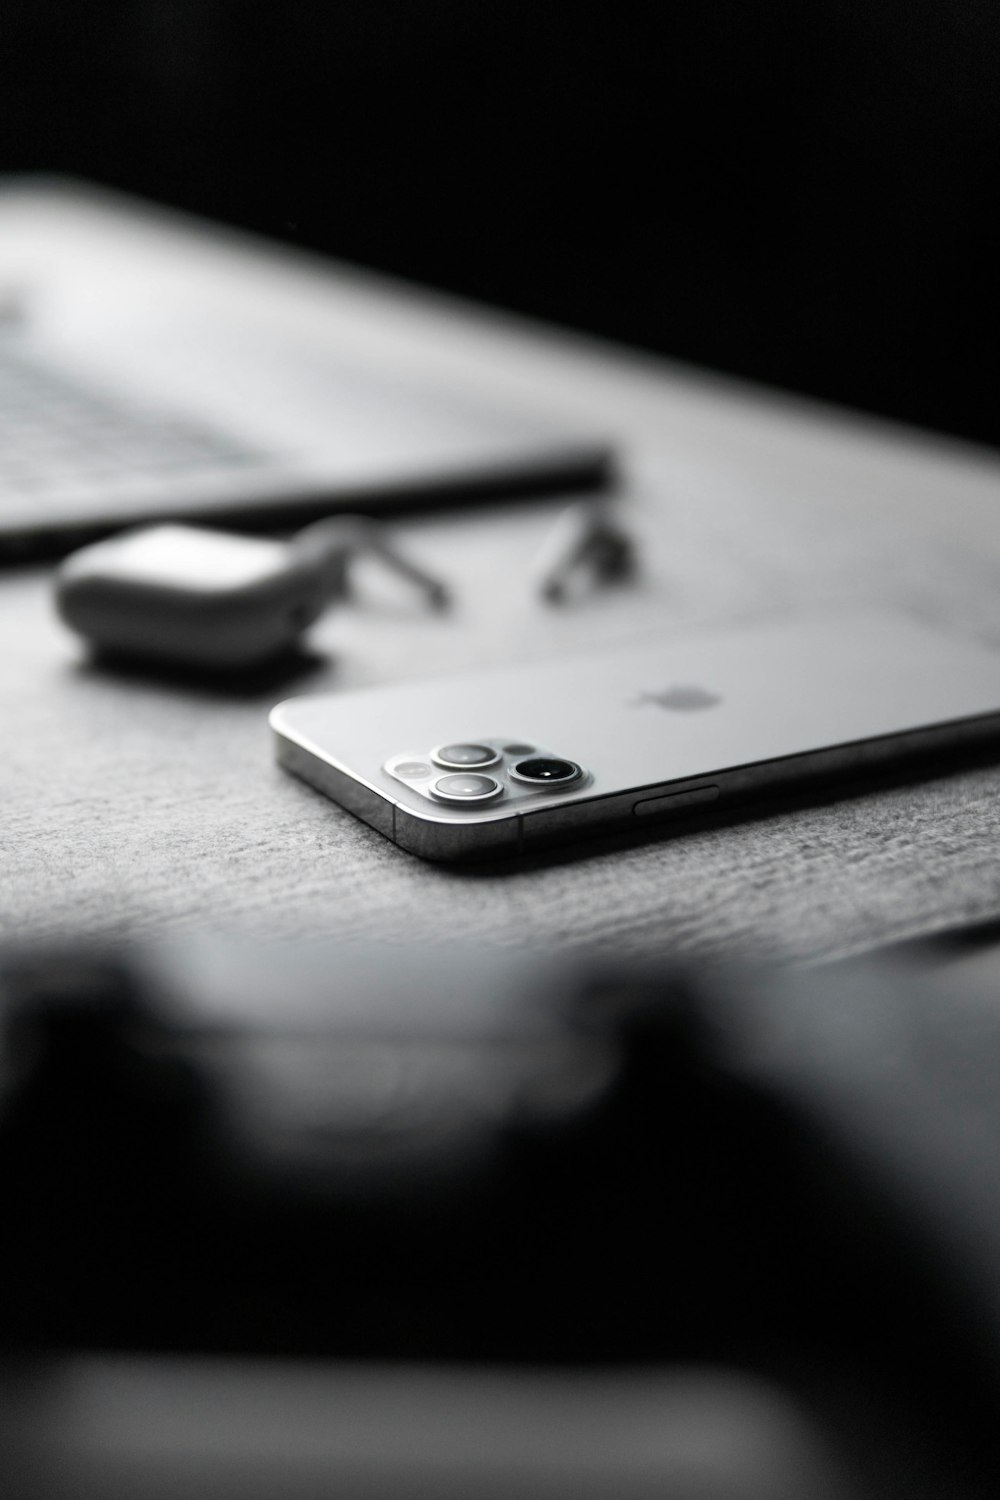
{"type": "Point", "coordinates": [465, 755]}
{"type": "Point", "coordinates": [469, 788]}
{"type": "Point", "coordinates": [545, 770]}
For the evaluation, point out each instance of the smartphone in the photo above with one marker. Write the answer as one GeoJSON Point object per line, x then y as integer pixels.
{"type": "Point", "coordinates": [513, 760]}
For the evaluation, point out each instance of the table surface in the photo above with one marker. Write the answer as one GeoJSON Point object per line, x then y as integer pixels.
{"type": "Point", "coordinates": [154, 807]}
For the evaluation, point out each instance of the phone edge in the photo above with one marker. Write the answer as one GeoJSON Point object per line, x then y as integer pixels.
{"type": "Point", "coordinates": [569, 822]}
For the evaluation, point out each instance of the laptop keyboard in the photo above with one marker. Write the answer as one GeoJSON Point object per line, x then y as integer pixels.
{"type": "Point", "coordinates": [66, 448]}
{"type": "Point", "coordinates": [79, 459]}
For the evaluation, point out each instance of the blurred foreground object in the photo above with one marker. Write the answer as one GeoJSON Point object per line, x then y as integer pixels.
{"type": "Point", "coordinates": [213, 599]}
{"type": "Point", "coordinates": [118, 1428]}
{"type": "Point", "coordinates": [496, 1163]}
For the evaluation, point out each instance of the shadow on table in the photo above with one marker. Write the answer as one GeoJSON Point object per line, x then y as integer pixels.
{"type": "Point", "coordinates": [292, 669]}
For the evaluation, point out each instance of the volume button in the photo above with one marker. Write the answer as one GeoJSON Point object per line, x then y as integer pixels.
{"type": "Point", "coordinates": [675, 802]}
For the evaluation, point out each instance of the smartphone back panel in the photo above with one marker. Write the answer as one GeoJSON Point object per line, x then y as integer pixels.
{"type": "Point", "coordinates": [657, 728]}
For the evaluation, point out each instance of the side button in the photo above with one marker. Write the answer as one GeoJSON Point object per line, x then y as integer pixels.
{"type": "Point", "coordinates": [675, 802]}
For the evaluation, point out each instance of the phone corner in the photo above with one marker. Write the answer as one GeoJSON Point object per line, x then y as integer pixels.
{"type": "Point", "coordinates": [456, 843]}
{"type": "Point", "coordinates": [277, 717]}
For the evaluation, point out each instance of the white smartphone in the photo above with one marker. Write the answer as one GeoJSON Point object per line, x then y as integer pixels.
{"type": "Point", "coordinates": [509, 761]}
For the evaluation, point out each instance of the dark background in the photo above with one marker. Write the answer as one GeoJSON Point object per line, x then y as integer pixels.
{"type": "Point", "coordinates": [801, 193]}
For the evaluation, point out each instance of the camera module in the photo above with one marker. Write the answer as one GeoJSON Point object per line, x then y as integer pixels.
{"type": "Point", "coordinates": [545, 770]}
{"type": "Point", "coordinates": [468, 788]}
{"type": "Point", "coordinates": [460, 756]}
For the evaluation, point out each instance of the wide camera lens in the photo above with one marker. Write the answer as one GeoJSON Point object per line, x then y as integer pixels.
{"type": "Point", "coordinates": [465, 755]}
{"type": "Point", "coordinates": [545, 770]}
{"type": "Point", "coordinates": [468, 788]}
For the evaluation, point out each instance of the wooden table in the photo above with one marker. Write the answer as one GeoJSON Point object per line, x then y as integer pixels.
{"type": "Point", "coordinates": [154, 807]}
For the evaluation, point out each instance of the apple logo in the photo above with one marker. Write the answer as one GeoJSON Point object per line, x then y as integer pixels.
{"type": "Point", "coordinates": [684, 698]}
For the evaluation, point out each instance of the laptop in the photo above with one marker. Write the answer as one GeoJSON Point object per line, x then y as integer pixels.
{"type": "Point", "coordinates": [155, 367]}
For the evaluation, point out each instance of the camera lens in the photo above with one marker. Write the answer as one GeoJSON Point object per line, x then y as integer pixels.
{"type": "Point", "coordinates": [545, 770]}
{"type": "Point", "coordinates": [460, 756]}
{"type": "Point", "coordinates": [468, 788]}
